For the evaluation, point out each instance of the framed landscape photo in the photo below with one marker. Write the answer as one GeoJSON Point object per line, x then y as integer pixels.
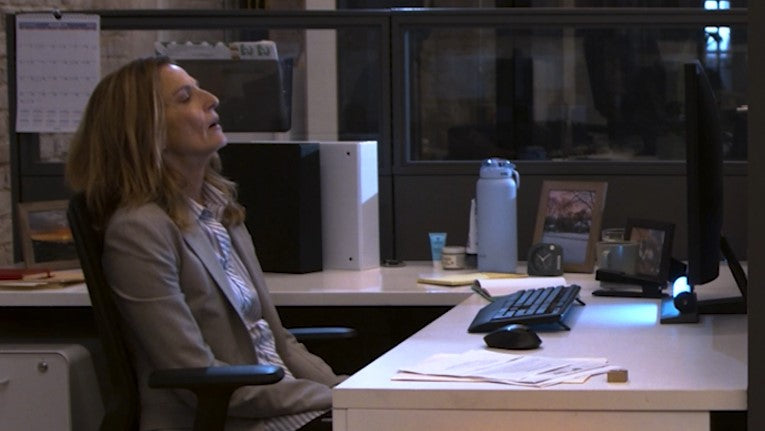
{"type": "Point", "coordinates": [46, 240]}
{"type": "Point", "coordinates": [569, 215]}
{"type": "Point", "coordinates": [654, 240]}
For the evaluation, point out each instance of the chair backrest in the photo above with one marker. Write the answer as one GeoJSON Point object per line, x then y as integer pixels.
{"type": "Point", "coordinates": [122, 404]}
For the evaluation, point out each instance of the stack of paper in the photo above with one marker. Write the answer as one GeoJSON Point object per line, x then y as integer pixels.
{"type": "Point", "coordinates": [43, 280]}
{"type": "Point", "coordinates": [500, 367]}
{"type": "Point", "coordinates": [465, 279]}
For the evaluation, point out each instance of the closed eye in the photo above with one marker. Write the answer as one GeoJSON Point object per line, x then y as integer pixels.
{"type": "Point", "coordinates": [183, 94]}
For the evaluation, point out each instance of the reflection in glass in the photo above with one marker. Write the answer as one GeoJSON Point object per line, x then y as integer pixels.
{"type": "Point", "coordinates": [344, 100]}
{"type": "Point", "coordinates": [565, 93]}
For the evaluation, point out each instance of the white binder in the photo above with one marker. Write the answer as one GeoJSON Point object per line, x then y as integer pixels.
{"type": "Point", "coordinates": [349, 205]}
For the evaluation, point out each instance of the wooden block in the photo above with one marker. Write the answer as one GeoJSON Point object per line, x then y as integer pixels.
{"type": "Point", "coordinates": [617, 376]}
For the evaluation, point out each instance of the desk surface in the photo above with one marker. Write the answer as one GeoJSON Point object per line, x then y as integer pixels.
{"type": "Point", "coordinates": [681, 369]}
{"type": "Point", "coordinates": [372, 287]}
{"type": "Point", "coordinates": [377, 287]}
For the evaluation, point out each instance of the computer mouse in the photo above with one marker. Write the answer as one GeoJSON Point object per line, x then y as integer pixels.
{"type": "Point", "coordinates": [514, 337]}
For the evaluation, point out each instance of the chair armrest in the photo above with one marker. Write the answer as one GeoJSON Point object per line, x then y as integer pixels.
{"type": "Point", "coordinates": [322, 333]}
{"type": "Point", "coordinates": [209, 377]}
{"type": "Point", "coordinates": [213, 387]}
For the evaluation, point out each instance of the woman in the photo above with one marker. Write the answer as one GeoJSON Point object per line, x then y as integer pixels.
{"type": "Point", "coordinates": [176, 253]}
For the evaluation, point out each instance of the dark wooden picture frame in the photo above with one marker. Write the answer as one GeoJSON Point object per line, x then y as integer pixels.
{"type": "Point", "coordinates": [570, 215]}
{"type": "Point", "coordinates": [46, 240]}
{"type": "Point", "coordinates": [655, 247]}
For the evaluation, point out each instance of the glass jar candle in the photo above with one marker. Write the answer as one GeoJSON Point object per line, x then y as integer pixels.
{"type": "Point", "coordinates": [453, 257]}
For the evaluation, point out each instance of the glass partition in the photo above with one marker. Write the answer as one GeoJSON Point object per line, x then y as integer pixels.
{"type": "Point", "coordinates": [564, 86]}
{"type": "Point", "coordinates": [567, 93]}
{"type": "Point", "coordinates": [338, 71]}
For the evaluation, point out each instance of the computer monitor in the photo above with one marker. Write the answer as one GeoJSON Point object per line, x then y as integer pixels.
{"type": "Point", "coordinates": [704, 197]}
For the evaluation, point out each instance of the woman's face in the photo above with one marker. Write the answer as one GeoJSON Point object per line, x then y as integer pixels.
{"type": "Point", "coordinates": [193, 131]}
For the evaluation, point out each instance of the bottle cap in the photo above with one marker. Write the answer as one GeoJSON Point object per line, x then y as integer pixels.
{"type": "Point", "coordinates": [496, 168]}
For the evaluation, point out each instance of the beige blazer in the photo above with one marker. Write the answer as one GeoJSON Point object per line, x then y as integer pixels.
{"type": "Point", "coordinates": [168, 287]}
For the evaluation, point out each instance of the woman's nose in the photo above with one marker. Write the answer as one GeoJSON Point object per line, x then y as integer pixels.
{"type": "Point", "coordinates": [214, 101]}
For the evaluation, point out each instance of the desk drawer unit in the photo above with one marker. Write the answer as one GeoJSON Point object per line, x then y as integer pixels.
{"type": "Point", "coordinates": [48, 387]}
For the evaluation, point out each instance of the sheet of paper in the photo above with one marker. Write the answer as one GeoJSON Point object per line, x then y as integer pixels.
{"type": "Point", "coordinates": [65, 276]}
{"type": "Point", "coordinates": [57, 67]}
{"type": "Point", "coordinates": [413, 377]}
{"type": "Point", "coordinates": [505, 286]}
{"type": "Point", "coordinates": [501, 367]}
{"type": "Point", "coordinates": [28, 285]}
{"type": "Point", "coordinates": [44, 280]}
{"type": "Point", "coordinates": [465, 279]}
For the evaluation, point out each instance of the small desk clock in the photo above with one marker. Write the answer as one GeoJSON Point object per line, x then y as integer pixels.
{"type": "Point", "coordinates": [545, 259]}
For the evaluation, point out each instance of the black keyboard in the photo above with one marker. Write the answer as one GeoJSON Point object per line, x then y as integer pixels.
{"type": "Point", "coordinates": [531, 306]}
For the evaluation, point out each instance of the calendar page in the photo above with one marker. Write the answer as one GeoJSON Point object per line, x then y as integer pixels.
{"type": "Point", "coordinates": [57, 67]}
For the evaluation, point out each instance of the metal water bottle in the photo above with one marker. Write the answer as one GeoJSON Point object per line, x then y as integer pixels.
{"type": "Point", "coordinates": [496, 196]}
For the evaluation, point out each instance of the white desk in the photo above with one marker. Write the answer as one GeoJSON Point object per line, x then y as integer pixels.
{"type": "Point", "coordinates": [677, 374]}
{"type": "Point", "coordinates": [372, 287]}
{"type": "Point", "coordinates": [384, 305]}
{"type": "Point", "coordinates": [71, 296]}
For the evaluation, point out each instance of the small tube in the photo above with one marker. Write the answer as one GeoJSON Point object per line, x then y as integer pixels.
{"type": "Point", "coordinates": [437, 242]}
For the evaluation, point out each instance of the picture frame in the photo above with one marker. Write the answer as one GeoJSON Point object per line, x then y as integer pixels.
{"type": "Point", "coordinates": [655, 239]}
{"type": "Point", "coordinates": [46, 239]}
{"type": "Point", "coordinates": [570, 215]}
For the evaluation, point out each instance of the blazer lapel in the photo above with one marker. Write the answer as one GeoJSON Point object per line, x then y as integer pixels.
{"type": "Point", "coordinates": [198, 242]}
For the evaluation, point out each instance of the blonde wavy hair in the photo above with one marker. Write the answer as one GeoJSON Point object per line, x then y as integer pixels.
{"type": "Point", "coordinates": [115, 157]}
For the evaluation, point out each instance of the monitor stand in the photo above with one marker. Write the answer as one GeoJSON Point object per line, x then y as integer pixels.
{"type": "Point", "coordinates": [645, 291]}
{"type": "Point", "coordinates": [670, 313]}
{"type": "Point", "coordinates": [733, 305]}
{"type": "Point", "coordinates": [633, 285]}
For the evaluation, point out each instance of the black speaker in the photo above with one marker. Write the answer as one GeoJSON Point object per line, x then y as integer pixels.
{"type": "Point", "coordinates": [280, 186]}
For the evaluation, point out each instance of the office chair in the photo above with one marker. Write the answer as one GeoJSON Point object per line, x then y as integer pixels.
{"type": "Point", "coordinates": [212, 386]}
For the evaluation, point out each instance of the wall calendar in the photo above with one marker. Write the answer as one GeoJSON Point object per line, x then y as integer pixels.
{"type": "Point", "coordinates": [57, 67]}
